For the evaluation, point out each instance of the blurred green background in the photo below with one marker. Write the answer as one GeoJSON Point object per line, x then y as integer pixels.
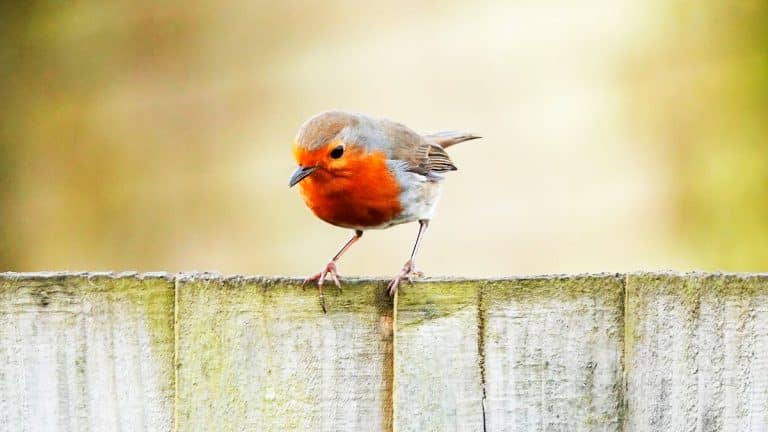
{"type": "Point", "coordinates": [619, 136]}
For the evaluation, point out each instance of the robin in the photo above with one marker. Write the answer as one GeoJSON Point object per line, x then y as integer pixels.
{"type": "Point", "coordinates": [363, 173]}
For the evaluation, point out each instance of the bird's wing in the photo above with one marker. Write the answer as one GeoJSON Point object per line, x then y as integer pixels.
{"type": "Point", "coordinates": [420, 155]}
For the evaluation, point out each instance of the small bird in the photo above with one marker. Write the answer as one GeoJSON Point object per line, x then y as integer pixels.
{"type": "Point", "coordinates": [361, 173]}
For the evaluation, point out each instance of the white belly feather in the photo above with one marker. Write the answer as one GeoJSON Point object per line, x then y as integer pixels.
{"type": "Point", "coordinates": [419, 194]}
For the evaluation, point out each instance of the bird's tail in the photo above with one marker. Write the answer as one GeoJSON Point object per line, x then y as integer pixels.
{"type": "Point", "coordinates": [448, 138]}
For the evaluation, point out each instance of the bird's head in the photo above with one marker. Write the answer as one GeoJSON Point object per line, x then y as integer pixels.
{"type": "Point", "coordinates": [320, 146]}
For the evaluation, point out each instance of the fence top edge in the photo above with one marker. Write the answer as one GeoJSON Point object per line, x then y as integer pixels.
{"type": "Point", "coordinates": [214, 276]}
{"type": "Point", "coordinates": [59, 274]}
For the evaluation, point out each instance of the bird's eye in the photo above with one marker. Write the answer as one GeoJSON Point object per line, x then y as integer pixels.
{"type": "Point", "coordinates": [337, 152]}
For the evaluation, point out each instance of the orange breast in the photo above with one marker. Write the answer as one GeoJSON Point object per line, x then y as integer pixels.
{"type": "Point", "coordinates": [364, 194]}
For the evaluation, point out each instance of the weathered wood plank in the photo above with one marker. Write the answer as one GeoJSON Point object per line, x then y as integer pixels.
{"type": "Point", "coordinates": [697, 352]}
{"type": "Point", "coordinates": [438, 383]}
{"type": "Point", "coordinates": [80, 353]}
{"type": "Point", "coordinates": [261, 355]}
{"type": "Point", "coordinates": [553, 353]}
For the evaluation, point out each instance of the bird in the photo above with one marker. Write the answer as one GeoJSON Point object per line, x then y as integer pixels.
{"type": "Point", "coordinates": [361, 172]}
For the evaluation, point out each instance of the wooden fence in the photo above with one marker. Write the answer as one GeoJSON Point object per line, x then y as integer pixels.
{"type": "Point", "coordinates": [201, 352]}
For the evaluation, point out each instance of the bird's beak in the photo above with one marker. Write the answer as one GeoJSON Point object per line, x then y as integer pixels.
{"type": "Point", "coordinates": [300, 174]}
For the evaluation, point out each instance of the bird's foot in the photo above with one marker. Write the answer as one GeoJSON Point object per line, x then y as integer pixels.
{"type": "Point", "coordinates": [406, 274]}
{"type": "Point", "coordinates": [328, 272]}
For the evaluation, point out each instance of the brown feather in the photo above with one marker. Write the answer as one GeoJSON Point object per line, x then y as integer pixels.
{"type": "Point", "coordinates": [320, 129]}
{"type": "Point", "coordinates": [422, 156]}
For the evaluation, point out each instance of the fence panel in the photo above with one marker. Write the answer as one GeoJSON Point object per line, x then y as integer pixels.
{"type": "Point", "coordinates": [154, 352]}
{"type": "Point", "coordinates": [438, 383]}
{"type": "Point", "coordinates": [260, 355]}
{"type": "Point", "coordinates": [89, 352]}
{"type": "Point", "coordinates": [697, 352]}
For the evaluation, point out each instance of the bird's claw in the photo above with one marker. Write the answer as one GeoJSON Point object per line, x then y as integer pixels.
{"type": "Point", "coordinates": [328, 272]}
{"type": "Point", "coordinates": [408, 273]}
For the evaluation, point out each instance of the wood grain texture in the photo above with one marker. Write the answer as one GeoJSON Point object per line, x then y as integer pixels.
{"type": "Point", "coordinates": [553, 353]}
{"type": "Point", "coordinates": [260, 355]}
{"type": "Point", "coordinates": [86, 353]}
{"type": "Point", "coordinates": [697, 352]}
{"type": "Point", "coordinates": [438, 382]}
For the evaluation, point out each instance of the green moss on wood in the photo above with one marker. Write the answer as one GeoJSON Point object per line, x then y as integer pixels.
{"type": "Point", "coordinates": [689, 289]}
{"type": "Point", "coordinates": [217, 314]}
{"type": "Point", "coordinates": [607, 288]}
{"type": "Point", "coordinates": [431, 300]}
{"type": "Point", "coordinates": [149, 299]}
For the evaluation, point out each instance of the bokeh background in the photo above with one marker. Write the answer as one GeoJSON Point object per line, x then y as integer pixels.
{"type": "Point", "coordinates": [619, 135]}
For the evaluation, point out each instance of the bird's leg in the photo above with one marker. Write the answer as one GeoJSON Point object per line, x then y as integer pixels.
{"type": "Point", "coordinates": [409, 269]}
{"type": "Point", "coordinates": [330, 269]}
